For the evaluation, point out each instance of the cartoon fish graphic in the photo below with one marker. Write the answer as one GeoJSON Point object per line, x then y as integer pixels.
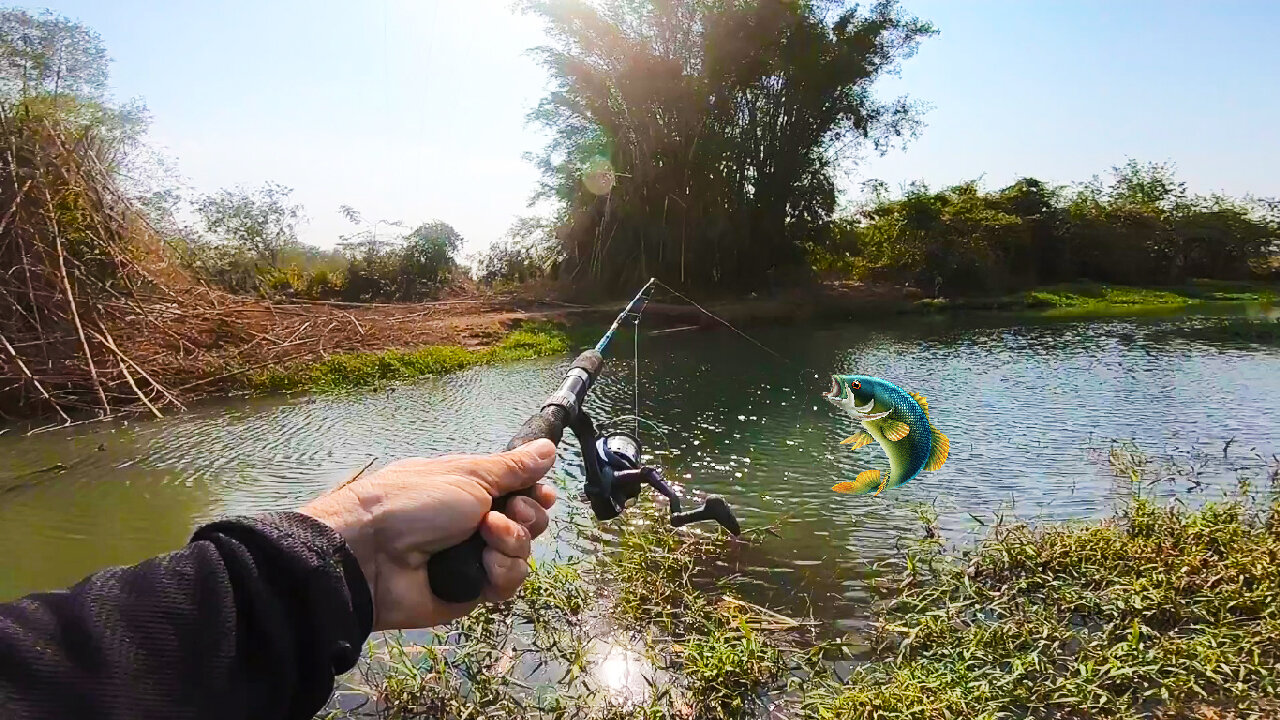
{"type": "Point", "coordinates": [895, 418]}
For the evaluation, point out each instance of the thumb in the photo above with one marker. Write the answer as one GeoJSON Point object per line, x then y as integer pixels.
{"type": "Point", "coordinates": [513, 470]}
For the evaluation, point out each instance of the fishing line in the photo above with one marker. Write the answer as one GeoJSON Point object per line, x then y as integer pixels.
{"type": "Point", "coordinates": [802, 369]}
{"type": "Point", "coordinates": [635, 364]}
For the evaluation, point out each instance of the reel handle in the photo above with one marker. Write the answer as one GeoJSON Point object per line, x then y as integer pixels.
{"type": "Point", "coordinates": [456, 574]}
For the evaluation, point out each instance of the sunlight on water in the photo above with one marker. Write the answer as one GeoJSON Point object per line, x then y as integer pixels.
{"type": "Point", "coordinates": [1030, 406]}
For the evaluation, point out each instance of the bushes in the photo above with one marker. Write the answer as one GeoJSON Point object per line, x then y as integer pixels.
{"type": "Point", "coordinates": [414, 267]}
{"type": "Point", "coordinates": [1140, 228]}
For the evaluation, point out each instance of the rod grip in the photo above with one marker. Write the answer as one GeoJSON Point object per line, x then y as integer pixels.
{"type": "Point", "coordinates": [457, 573]}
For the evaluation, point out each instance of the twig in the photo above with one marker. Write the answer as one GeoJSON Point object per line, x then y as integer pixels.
{"type": "Point", "coordinates": [34, 381]}
{"type": "Point", "coordinates": [75, 314]}
{"type": "Point", "coordinates": [111, 343]}
{"type": "Point", "coordinates": [359, 472]}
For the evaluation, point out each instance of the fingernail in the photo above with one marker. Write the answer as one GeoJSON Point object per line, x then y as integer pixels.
{"type": "Point", "coordinates": [523, 515]}
{"type": "Point", "coordinates": [543, 449]}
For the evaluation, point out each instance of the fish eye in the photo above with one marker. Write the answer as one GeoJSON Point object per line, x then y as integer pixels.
{"type": "Point", "coordinates": [855, 385]}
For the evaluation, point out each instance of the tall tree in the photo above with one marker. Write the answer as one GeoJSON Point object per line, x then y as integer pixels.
{"type": "Point", "coordinates": [263, 221]}
{"type": "Point", "coordinates": [47, 54]}
{"type": "Point", "coordinates": [696, 139]}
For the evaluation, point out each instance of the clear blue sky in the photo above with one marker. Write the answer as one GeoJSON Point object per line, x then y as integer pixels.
{"type": "Point", "coordinates": [414, 109]}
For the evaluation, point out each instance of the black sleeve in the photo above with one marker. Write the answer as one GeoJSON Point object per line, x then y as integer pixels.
{"type": "Point", "coordinates": [252, 619]}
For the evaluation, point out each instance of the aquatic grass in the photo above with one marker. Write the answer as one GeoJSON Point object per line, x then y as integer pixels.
{"type": "Point", "coordinates": [705, 654]}
{"type": "Point", "coordinates": [1087, 295]}
{"type": "Point", "coordinates": [1086, 299]}
{"type": "Point", "coordinates": [1160, 611]}
{"type": "Point", "coordinates": [375, 369]}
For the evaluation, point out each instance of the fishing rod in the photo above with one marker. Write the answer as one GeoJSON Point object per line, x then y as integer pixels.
{"type": "Point", "coordinates": [614, 473]}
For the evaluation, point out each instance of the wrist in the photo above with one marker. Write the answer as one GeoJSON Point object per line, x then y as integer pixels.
{"type": "Point", "coordinates": [342, 511]}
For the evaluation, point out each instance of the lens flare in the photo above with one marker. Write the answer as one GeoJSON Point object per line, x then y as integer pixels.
{"type": "Point", "coordinates": [598, 175]}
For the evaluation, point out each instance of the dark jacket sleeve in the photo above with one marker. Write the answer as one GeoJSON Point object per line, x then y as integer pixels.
{"type": "Point", "coordinates": [252, 619]}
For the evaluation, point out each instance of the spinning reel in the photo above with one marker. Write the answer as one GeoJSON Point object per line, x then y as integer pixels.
{"type": "Point", "coordinates": [616, 476]}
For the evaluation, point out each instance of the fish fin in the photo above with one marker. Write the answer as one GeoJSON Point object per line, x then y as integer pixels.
{"type": "Point", "coordinates": [883, 482]}
{"type": "Point", "coordinates": [896, 429]}
{"type": "Point", "coordinates": [924, 404]}
{"type": "Point", "coordinates": [859, 439]}
{"type": "Point", "coordinates": [941, 449]}
{"type": "Point", "coordinates": [866, 480]}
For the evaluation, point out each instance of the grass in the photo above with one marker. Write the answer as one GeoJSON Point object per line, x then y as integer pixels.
{"type": "Point", "coordinates": [1161, 611]}
{"type": "Point", "coordinates": [374, 369]}
{"type": "Point", "coordinates": [1090, 296]}
{"type": "Point", "coordinates": [1087, 298]}
{"type": "Point", "coordinates": [696, 652]}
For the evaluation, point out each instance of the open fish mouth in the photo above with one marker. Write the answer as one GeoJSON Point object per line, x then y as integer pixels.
{"type": "Point", "coordinates": [836, 391]}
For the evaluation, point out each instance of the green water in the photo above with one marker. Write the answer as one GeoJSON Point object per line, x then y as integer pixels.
{"type": "Point", "coordinates": [1030, 405]}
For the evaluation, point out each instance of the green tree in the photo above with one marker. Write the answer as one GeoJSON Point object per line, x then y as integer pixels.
{"type": "Point", "coordinates": [696, 139]}
{"type": "Point", "coordinates": [57, 68]}
{"type": "Point", "coordinates": [261, 221]}
{"type": "Point", "coordinates": [47, 54]}
{"type": "Point", "coordinates": [428, 258]}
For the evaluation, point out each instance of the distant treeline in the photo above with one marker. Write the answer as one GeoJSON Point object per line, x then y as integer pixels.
{"type": "Point", "coordinates": [1140, 226]}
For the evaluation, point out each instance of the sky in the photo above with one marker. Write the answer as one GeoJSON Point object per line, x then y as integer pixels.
{"type": "Point", "coordinates": [414, 110]}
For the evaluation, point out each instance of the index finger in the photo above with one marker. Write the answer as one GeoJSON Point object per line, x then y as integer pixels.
{"type": "Point", "coordinates": [506, 472]}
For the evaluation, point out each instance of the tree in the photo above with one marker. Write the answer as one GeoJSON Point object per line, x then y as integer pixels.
{"type": "Point", "coordinates": [261, 221]}
{"type": "Point", "coordinates": [696, 139]}
{"type": "Point", "coordinates": [427, 258]}
{"type": "Point", "coordinates": [58, 68]}
{"type": "Point", "coordinates": [47, 54]}
{"type": "Point", "coordinates": [529, 250]}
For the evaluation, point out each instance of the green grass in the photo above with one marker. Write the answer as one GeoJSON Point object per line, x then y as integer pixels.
{"type": "Point", "coordinates": [1158, 612]}
{"type": "Point", "coordinates": [364, 370]}
{"type": "Point", "coordinates": [1088, 299]}
{"type": "Point", "coordinates": [1088, 296]}
{"type": "Point", "coordinates": [703, 654]}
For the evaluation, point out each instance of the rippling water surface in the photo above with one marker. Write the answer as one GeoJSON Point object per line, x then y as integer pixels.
{"type": "Point", "coordinates": [1029, 405]}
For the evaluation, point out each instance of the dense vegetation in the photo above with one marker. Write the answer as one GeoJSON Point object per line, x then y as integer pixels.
{"type": "Point", "coordinates": [696, 139]}
{"type": "Point", "coordinates": [249, 244]}
{"type": "Point", "coordinates": [1139, 227]}
{"type": "Point", "coordinates": [1159, 611]}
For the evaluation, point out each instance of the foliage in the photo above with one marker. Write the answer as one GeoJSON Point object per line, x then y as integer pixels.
{"type": "Point", "coordinates": [46, 54]}
{"type": "Point", "coordinates": [716, 662]}
{"type": "Point", "coordinates": [254, 249]}
{"type": "Point", "coordinates": [57, 70]}
{"type": "Point", "coordinates": [1163, 611]}
{"type": "Point", "coordinates": [1141, 227]}
{"type": "Point", "coordinates": [530, 251]}
{"type": "Point", "coordinates": [396, 267]}
{"type": "Point", "coordinates": [696, 139]}
{"type": "Point", "coordinates": [261, 222]}
{"type": "Point", "coordinates": [362, 370]}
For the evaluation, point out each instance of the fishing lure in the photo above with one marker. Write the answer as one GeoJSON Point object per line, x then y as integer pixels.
{"type": "Point", "coordinates": [895, 418]}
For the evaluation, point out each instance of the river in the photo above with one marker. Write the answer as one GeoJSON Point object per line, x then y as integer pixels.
{"type": "Point", "coordinates": [1030, 403]}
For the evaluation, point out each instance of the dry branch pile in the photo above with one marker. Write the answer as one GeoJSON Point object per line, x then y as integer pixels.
{"type": "Point", "coordinates": [95, 317]}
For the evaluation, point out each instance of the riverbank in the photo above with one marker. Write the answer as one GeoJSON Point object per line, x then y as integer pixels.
{"type": "Point", "coordinates": [224, 345]}
{"type": "Point", "coordinates": [1158, 611]}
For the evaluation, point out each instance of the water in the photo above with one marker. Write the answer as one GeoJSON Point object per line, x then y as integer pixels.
{"type": "Point", "coordinates": [1029, 404]}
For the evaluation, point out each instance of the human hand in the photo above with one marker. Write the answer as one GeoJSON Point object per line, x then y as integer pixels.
{"type": "Point", "coordinates": [397, 517]}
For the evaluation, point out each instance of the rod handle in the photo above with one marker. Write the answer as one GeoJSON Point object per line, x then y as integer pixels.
{"type": "Point", "coordinates": [457, 573]}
